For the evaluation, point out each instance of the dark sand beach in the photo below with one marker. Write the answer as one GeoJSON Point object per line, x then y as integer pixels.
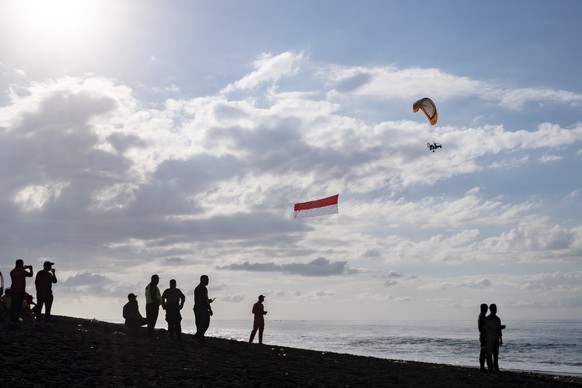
{"type": "Point", "coordinates": [76, 352]}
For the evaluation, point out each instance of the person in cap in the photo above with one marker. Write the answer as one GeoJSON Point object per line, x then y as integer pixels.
{"type": "Point", "coordinates": [259, 321]}
{"type": "Point", "coordinates": [18, 288]}
{"type": "Point", "coordinates": [153, 303]}
{"type": "Point", "coordinates": [172, 301]}
{"type": "Point", "coordinates": [44, 291]}
{"type": "Point", "coordinates": [132, 316]}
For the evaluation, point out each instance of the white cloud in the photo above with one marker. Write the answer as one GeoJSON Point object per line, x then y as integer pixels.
{"type": "Point", "coordinates": [410, 83]}
{"type": "Point", "coordinates": [34, 197]}
{"type": "Point", "coordinates": [549, 158]}
{"type": "Point", "coordinates": [268, 68]}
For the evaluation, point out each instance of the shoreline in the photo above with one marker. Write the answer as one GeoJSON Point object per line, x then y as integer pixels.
{"type": "Point", "coordinates": [82, 352]}
{"type": "Point", "coordinates": [421, 349]}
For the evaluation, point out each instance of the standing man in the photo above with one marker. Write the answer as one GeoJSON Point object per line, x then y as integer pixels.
{"type": "Point", "coordinates": [172, 301]}
{"type": "Point", "coordinates": [259, 321]}
{"type": "Point", "coordinates": [44, 290]}
{"type": "Point", "coordinates": [18, 288]}
{"type": "Point", "coordinates": [153, 302]}
{"type": "Point", "coordinates": [202, 309]}
{"type": "Point", "coordinates": [482, 326]}
{"type": "Point", "coordinates": [494, 339]}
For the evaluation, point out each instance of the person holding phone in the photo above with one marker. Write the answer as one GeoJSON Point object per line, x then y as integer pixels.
{"type": "Point", "coordinates": [44, 291]}
{"type": "Point", "coordinates": [18, 288]}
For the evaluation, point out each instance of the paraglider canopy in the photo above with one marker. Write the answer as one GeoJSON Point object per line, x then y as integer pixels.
{"type": "Point", "coordinates": [429, 109]}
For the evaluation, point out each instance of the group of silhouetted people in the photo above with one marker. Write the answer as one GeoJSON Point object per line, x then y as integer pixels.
{"type": "Point", "coordinates": [172, 301]}
{"type": "Point", "coordinates": [490, 338]}
{"type": "Point", "coordinates": [17, 304]}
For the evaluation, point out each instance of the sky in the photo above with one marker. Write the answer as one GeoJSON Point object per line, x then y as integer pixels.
{"type": "Point", "coordinates": [174, 137]}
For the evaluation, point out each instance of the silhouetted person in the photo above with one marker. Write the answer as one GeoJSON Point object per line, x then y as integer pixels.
{"type": "Point", "coordinates": [153, 303]}
{"type": "Point", "coordinates": [18, 288]}
{"type": "Point", "coordinates": [483, 329]}
{"type": "Point", "coordinates": [3, 309]}
{"type": "Point", "coordinates": [133, 318]}
{"type": "Point", "coordinates": [494, 339]}
{"type": "Point", "coordinates": [172, 301]}
{"type": "Point", "coordinates": [28, 307]}
{"type": "Point", "coordinates": [202, 309]}
{"type": "Point", "coordinates": [259, 321]}
{"type": "Point", "coordinates": [7, 303]}
{"type": "Point", "coordinates": [44, 290]}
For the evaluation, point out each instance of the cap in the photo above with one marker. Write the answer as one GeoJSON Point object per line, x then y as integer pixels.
{"type": "Point", "coordinates": [48, 264]}
{"type": "Point", "coordinates": [155, 276]}
{"type": "Point", "coordinates": [262, 296]}
{"type": "Point", "coordinates": [131, 296]}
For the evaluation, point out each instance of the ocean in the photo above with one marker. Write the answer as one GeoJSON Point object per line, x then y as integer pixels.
{"type": "Point", "coordinates": [553, 347]}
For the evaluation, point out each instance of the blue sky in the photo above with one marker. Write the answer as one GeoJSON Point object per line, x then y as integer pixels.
{"type": "Point", "coordinates": [174, 137]}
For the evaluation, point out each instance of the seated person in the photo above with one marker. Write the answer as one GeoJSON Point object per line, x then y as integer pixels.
{"type": "Point", "coordinates": [28, 307]}
{"type": "Point", "coordinates": [133, 318]}
{"type": "Point", "coordinates": [5, 305]}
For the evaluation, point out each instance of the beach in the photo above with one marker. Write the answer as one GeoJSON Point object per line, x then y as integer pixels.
{"type": "Point", "coordinates": [75, 352]}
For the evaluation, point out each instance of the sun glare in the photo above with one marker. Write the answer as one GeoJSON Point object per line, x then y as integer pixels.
{"type": "Point", "coordinates": [55, 23]}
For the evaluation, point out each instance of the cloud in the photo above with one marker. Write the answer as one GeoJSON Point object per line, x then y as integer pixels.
{"type": "Point", "coordinates": [517, 98]}
{"type": "Point", "coordinates": [550, 158]}
{"type": "Point", "coordinates": [86, 279]}
{"type": "Point", "coordinates": [268, 68]}
{"type": "Point", "coordinates": [536, 236]}
{"type": "Point", "coordinates": [318, 267]}
{"type": "Point", "coordinates": [174, 261]}
{"type": "Point", "coordinates": [232, 299]}
{"type": "Point", "coordinates": [408, 83]}
{"type": "Point", "coordinates": [459, 283]}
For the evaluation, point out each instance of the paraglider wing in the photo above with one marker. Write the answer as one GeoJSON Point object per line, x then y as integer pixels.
{"type": "Point", "coordinates": [429, 109]}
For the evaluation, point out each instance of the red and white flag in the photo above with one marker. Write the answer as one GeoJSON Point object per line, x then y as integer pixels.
{"type": "Point", "coordinates": [319, 207]}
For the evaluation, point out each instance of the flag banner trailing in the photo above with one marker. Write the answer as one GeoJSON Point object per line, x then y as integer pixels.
{"type": "Point", "coordinates": [318, 207]}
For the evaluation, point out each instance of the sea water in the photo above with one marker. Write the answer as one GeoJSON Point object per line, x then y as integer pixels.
{"type": "Point", "coordinates": [536, 346]}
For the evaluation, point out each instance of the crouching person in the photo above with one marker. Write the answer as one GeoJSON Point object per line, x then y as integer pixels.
{"type": "Point", "coordinates": [133, 318]}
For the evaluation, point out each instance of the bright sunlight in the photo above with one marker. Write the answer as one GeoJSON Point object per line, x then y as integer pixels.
{"type": "Point", "coordinates": [55, 24]}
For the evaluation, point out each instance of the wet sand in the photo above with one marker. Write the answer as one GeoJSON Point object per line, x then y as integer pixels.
{"type": "Point", "coordinates": [75, 352]}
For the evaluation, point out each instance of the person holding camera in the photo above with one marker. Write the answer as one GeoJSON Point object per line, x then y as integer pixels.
{"type": "Point", "coordinates": [18, 288]}
{"type": "Point", "coordinates": [44, 291]}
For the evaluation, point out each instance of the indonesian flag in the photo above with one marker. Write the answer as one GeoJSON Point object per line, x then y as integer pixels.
{"type": "Point", "coordinates": [318, 207]}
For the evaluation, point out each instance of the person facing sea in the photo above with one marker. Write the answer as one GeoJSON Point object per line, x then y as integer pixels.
{"type": "Point", "coordinates": [18, 288]}
{"type": "Point", "coordinates": [494, 338]}
{"type": "Point", "coordinates": [482, 326]}
{"type": "Point", "coordinates": [153, 303]}
{"type": "Point", "coordinates": [172, 301]}
{"type": "Point", "coordinates": [259, 320]}
{"type": "Point", "coordinates": [44, 291]}
{"type": "Point", "coordinates": [202, 308]}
